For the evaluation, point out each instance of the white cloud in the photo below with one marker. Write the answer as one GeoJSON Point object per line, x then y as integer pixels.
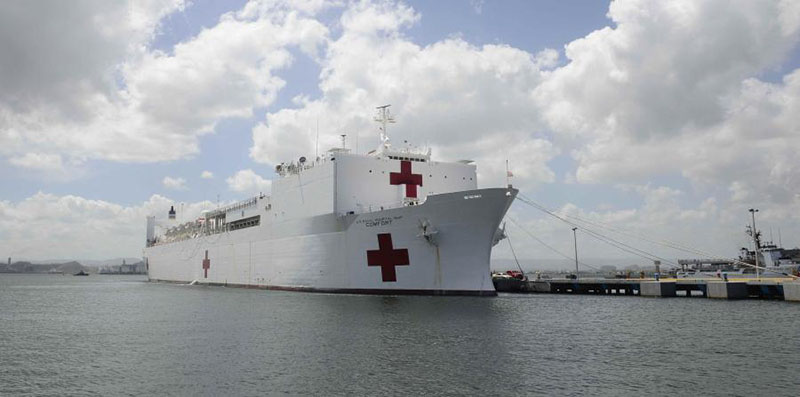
{"type": "Point", "coordinates": [73, 53]}
{"type": "Point", "coordinates": [667, 91]}
{"type": "Point", "coordinates": [46, 226]}
{"type": "Point", "coordinates": [174, 183]}
{"type": "Point", "coordinates": [477, 6]}
{"type": "Point", "coordinates": [248, 181]}
{"type": "Point", "coordinates": [207, 175]}
{"type": "Point", "coordinates": [672, 88]}
{"type": "Point", "coordinates": [663, 219]}
{"type": "Point", "coordinates": [464, 101]}
{"type": "Point", "coordinates": [38, 161]}
{"type": "Point", "coordinates": [49, 167]}
{"type": "Point", "coordinates": [90, 88]}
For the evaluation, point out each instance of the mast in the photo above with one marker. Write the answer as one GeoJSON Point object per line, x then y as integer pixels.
{"type": "Point", "coordinates": [575, 236]}
{"type": "Point", "coordinates": [384, 117]}
{"type": "Point", "coordinates": [756, 240]}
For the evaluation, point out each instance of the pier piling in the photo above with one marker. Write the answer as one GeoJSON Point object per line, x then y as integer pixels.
{"type": "Point", "coordinates": [791, 291]}
{"type": "Point", "coordinates": [658, 289]}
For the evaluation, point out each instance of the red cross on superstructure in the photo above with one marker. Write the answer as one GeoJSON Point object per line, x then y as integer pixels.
{"type": "Point", "coordinates": [206, 265]}
{"type": "Point", "coordinates": [405, 177]}
{"type": "Point", "coordinates": [387, 257]}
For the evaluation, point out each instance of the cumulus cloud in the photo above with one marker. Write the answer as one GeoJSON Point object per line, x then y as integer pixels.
{"type": "Point", "coordinates": [663, 219]}
{"type": "Point", "coordinates": [247, 181]}
{"type": "Point", "coordinates": [86, 85]}
{"type": "Point", "coordinates": [47, 226]}
{"type": "Point", "coordinates": [463, 100]}
{"type": "Point", "coordinates": [174, 183]}
{"type": "Point", "coordinates": [207, 175]}
{"type": "Point", "coordinates": [73, 53]}
{"type": "Point", "coordinates": [38, 161]}
{"type": "Point", "coordinates": [653, 94]}
{"type": "Point", "coordinates": [668, 89]}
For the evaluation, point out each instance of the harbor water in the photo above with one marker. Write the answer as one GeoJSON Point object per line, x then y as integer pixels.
{"type": "Point", "coordinates": [120, 335]}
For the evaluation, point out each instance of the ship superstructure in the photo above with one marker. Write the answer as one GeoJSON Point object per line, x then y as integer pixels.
{"type": "Point", "coordinates": [390, 221]}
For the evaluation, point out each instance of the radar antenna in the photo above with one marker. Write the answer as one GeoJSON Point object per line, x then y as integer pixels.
{"type": "Point", "coordinates": [384, 117]}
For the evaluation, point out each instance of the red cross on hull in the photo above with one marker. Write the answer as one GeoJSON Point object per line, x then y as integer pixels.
{"type": "Point", "coordinates": [206, 265]}
{"type": "Point", "coordinates": [405, 177]}
{"type": "Point", "coordinates": [387, 257]}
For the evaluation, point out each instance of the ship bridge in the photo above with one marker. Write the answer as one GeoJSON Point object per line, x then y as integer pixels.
{"type": "Point", "coordinates": [343, 182]}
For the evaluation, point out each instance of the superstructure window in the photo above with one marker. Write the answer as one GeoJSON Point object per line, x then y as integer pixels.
{"type": "Point", "coordinates": [245, 223]}
{"type": "Point", "coordinates": [406, 158]}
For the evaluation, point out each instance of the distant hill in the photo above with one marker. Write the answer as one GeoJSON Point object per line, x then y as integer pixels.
{"type": "Point", "coordinates": [25, 265]}
{"type": "Point", "coordinates": [28, 267]}
{"type": "Point", "coordinates": [108, 262]}
{"type": "Point", "coordinates": [85, 262]}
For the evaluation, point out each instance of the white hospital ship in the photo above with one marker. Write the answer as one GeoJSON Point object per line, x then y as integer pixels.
{"type": "Point", "coordinates": [388, 222]}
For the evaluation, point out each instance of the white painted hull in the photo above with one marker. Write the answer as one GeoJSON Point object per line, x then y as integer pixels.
{"type": "Point", "coordinates": [328, 253]}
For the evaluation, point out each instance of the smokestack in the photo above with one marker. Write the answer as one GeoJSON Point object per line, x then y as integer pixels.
{"type": "Point", "coordinates": [151, 230]}
{"type": "Point", "coordinates": [172, 212]}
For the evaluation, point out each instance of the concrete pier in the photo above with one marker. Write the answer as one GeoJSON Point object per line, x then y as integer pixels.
{"type": "Point", "coordinates": [728, 290]}
{"type": "Point", "coordinates": [765, 288]}
{"type": "Point", "coordinates": [538, 286]}
{"type": "Point", "coordinates": [595, 286]}
{"type": "Point", "coordinates": [689, 286]}
{"type": "Point", "coordinates": [658, 288]}
{"type": "Point", "coordinates": [791, 291]}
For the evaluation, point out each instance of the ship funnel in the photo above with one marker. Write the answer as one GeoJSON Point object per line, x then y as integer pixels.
{"type": "Point", "coordinates": [151, 230]}
{"type": "Point", "coordinates": [172, 212]}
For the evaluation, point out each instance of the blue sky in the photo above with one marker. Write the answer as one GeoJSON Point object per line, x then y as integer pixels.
{"type": "Point", "coordinates": [647, 122]}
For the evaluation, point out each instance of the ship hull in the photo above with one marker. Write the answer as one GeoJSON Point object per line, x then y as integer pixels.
{"type": "Point", "coordinates": [440, 247]}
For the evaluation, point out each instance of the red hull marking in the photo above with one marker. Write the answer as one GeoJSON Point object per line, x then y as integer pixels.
{"type": "Point", "coordinates": [206, 265]}
{"type": "Point", "coordinates": [405, 177]}
{"type": "Point", "coordinates": [387, 257]}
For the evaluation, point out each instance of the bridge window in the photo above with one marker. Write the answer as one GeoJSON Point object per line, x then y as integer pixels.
{"type": "Point", "coordinates": [244, 223]}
